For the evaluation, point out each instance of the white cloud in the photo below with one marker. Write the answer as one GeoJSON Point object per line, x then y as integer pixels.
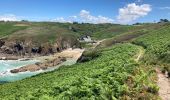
{"type": "Point", "coordinates": [84, 16]}
{"type": "Point", "coordinates": [102, 19]}
{"type": "Point", "coordinates": [61, 20]}
{"type": "Point", "coordinates": [132, 12]}
{"type": "Point", "coordinates": [165, 8]}
{"type": "Point", "coordinates": [88, 18]}
{"type": "Point", "coordinates": [9, 17]}
{"type": "Point", "coordinates": [73, 17]}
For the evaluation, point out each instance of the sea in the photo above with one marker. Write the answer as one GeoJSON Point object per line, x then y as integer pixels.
{"type": "Point", "coordinates": [7, 65]}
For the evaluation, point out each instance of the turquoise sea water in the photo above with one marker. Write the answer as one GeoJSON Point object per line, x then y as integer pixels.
{"type": "Point", "coordinates": [6, 66]}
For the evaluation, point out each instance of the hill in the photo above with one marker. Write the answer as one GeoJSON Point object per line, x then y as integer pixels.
{"type": "Point", "coordinates": [157, 45]}
{"type": "Point", "coordinates": [44, 38]}
{"type": "Point", "coordinates": [121, 67]}
{"type": "Point", "coordinates": [50, 30]}
{"type": "Point", "coordinates": [114, 74]}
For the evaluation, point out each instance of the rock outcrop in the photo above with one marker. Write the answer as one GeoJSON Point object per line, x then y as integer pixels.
{"type": "Point", "coordinates": [2, 43]}
{"type": "Point", "coordinates": [6, 49]}
{"type": "Point", "coordinates": [28, 48]}
{"type": "Point", "coordinates": [39, 65]}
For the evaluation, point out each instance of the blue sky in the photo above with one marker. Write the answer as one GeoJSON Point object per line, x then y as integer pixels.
{"type": "Point", "coordinates": [92, 11]}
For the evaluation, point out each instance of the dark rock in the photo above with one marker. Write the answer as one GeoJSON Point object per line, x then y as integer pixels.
{"type": "Point", "coordinates": [50, 50]}
{"type": "Point", "coordinates": [2, 43]}
{"type": "Point", "coordinates": [34, 50]}
{"type": "Point", "coordinates": [63, 59]}
{"type": "Point", "coordinates": [38, 63]}
{"type": "Point", "coordinates": [18, 46]}
{"type": "Point", "coordinates": [39, 50]}
{"type": "Point", "coordinates": [58, 49]}
{"type": "Point", "coordinates": [168, 74]}
{"type": "Point", "coordinates": [14, 71]}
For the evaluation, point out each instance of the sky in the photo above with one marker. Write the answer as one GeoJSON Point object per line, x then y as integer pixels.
{"type": "Point", "coordinates": [90, 11]}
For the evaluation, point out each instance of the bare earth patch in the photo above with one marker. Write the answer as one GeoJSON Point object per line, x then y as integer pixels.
{"type": "Point", "coordinates": [164, 85]}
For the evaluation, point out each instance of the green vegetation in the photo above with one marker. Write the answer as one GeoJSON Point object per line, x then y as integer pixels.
{"type": "Point", "coordinates": [112, 75]}
{"type": "Point", "coordinates": [50, 30]}
{"type": "Point", "coordinates": [106, 72]}
{"type": "Point", "coordinates": [157, 46]}
{"type": "Point", "coordinates": [7, 28]}
{"type": "Point", "coordinates": [130, 34]}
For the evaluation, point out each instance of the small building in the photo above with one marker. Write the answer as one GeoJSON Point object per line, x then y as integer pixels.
{"type": "Point", "coordinates": [85, 38]}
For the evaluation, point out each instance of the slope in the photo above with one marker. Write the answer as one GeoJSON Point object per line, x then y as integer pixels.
{"type": "Point", "coordinates": [113, 75]}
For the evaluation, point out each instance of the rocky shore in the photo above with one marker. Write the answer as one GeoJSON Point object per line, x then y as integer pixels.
{"type": "Point", "coordinates": [50, 61]}
{"type": "Point", "coordinates": [49, 54]}
{"type": "Point", "coordinates": [40, 65]}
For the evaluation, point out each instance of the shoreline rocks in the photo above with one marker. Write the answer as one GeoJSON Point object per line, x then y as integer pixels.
{"type": "Point", "coordinates": [40, 65]}
{"type": "Point", "coordinates": [49, 61]}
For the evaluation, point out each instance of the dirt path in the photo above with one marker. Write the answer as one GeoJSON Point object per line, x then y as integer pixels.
{"type": "Point", "coordinates": [98, 43]}
{"type": "Point", "coordinates": [163, 82]}
{"type": "Point", "coordinates": [164, 86]}
{"type": "Point", "coordinates": [140, 54]}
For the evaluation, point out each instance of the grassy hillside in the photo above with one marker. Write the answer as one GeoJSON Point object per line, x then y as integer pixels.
{"type": "Point", "coordinates": [130, 34]}
{"type": "Point", "coordinates": [48, 31]}
{"type": "Point", "coordinates": [39, 32]}
{"type": "Point", "coordinates": [113, 75]}
{"type": "Point", "coordinates": [157, 44]}
{"type": "Point", "coordinates": [7, 28]}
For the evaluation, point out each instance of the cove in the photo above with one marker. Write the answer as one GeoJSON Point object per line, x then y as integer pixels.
{"type": "Point", "coordinates": [7, 65]}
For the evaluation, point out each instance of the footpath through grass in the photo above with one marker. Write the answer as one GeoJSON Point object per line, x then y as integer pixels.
{"type": "Point", "coordinates": [157, 45]}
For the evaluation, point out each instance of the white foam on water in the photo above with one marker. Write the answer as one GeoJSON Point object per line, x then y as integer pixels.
{"type": "Point", "coordinates": [7, 65]}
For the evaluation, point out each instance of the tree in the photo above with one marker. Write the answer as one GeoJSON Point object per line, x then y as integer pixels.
{"type": "Point", "coordinates": [164, 20]}
{"type": "Point", "coordinates": [75, 23]}
{"type": "Point", "coordinates": [24, 21]}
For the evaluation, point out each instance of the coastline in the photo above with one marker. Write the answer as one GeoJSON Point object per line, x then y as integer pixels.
{"type": "Point", "coordinates": [45, 62]}
{"type": "Point", "coordinates": [71, 55]}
